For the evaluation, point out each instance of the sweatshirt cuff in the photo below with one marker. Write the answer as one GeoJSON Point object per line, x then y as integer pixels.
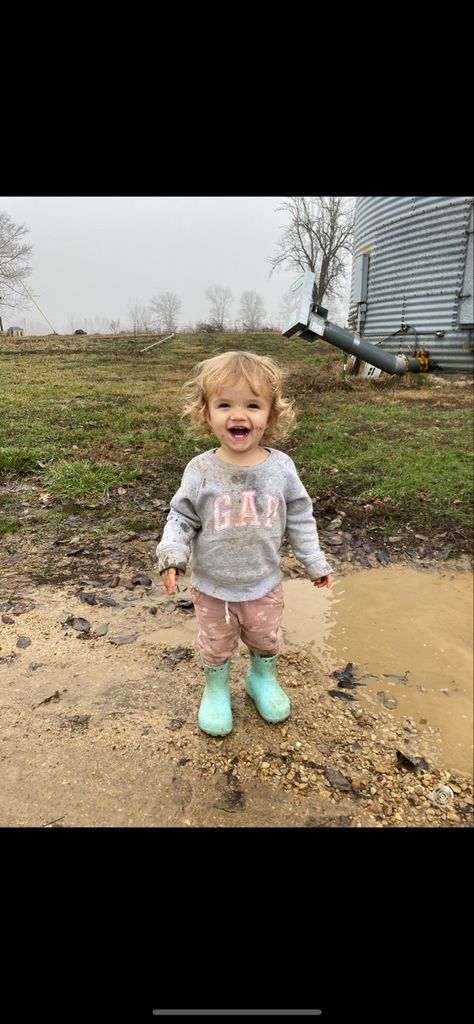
{"type": "Point", "coordinates": [173, 558]}
{"type": "Point", "coordinates": [319, 568]}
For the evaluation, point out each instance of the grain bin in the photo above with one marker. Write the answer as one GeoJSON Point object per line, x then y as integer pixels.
{"type": "Point", "coordinates": [413, 277]}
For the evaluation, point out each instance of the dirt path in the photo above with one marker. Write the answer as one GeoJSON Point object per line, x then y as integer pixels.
{"type": "Point", "coordinates": [100, 729]}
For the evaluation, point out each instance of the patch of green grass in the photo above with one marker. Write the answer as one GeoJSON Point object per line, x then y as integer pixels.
{"type": "Point", "coordinates": [418, 471]}
{"type": "Point", "coordinates": [82, 478]}
{"type": "Point", "coordinates": [14, 461]}
{"type": "Point", "coordinates": [23, 461]}
{"type": "Point", "coordinates": [7, 527]}
{"type": "Point", "coordinates": [137, 525]}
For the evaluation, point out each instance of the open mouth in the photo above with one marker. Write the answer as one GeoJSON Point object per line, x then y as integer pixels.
{"type": "Point", "coordinates": [239, 431]}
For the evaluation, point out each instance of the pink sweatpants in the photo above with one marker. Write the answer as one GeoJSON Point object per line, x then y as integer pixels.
{"type": "Point", "coordinates": [220, 623]}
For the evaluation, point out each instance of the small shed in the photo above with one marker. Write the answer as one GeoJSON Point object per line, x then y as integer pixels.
{"type": "Point", "coordinates": [15, 332]}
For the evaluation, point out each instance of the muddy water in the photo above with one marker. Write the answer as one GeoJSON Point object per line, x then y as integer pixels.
{"type": "Point", "coordinates": [409, 635]}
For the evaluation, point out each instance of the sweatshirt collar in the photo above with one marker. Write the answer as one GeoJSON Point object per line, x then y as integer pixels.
{"type": "Point", "coordinates": [234, 465]}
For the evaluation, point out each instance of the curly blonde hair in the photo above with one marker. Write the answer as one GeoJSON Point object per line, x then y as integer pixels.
{"type": "Point", "coordinates": [262, 376]}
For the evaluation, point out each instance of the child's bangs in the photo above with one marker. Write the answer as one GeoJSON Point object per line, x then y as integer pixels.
{"type": "Point", "coordinates": [257, 377]}
{"type": "Point", "coordinates": [258, 380]}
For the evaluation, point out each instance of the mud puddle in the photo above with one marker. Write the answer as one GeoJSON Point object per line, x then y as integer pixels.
{"type": "Point", "coordinates": [99, 728]}
{"type": "Point", "coordinates": [408, 634]}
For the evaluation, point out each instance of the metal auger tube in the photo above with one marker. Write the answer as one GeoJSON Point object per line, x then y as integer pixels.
{"type": "Point", "coordinates": [350, 342]}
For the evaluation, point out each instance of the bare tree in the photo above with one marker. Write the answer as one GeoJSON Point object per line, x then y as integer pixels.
{"type": "Point", "coordinates": [114, 326]}
{"type": "Point", "coordinates": [318, 238]}
{"type": "Point", "coordinates": [15, 257]}
{"type": "Point", "coordinates": [220, 300]}
{"type": "Point", "coordinates": [139, 317]}
{"type": "Point", "coordinates": [165, 309]}
{"type": "Point", "coordinates": [251, 310]}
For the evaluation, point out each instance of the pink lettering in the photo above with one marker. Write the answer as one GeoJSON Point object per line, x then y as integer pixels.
{"type": "Point", "coordinates": [248, 515]}
{"type": "Point", "coordinates": [222, 514]}
{"type": "Point", "coordinates": [272, 505]}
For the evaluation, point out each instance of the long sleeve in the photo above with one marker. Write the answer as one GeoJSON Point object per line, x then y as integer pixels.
{"type": "Point", "coordinates": [301, 527]}
{"type": "Point", "coordinates": [182, 523]}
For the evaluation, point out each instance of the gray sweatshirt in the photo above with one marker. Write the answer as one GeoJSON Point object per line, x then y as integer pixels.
{"type": "Point", "coordinates": [228, 522]}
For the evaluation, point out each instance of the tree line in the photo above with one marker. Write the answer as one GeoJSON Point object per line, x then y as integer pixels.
{"type": "Point", "coordinates": [317, 236]}
{"type": "Point", "coordinates": [163, 311]}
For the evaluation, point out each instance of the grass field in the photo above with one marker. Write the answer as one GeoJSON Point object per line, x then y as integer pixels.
{"type": "Point", "coordinates": [94, 420]}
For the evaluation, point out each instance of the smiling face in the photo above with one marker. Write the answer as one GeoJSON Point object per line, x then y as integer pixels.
{"type": "Point", "coordinates": [238, 417]}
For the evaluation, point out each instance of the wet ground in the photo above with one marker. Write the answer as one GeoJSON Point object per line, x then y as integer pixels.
{"type": "Point", "coordinates": [409, 635]}
{"type": "Point", "coordinates": [100, 685]}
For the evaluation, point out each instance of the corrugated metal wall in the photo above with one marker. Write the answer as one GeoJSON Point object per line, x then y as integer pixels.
{"type": "Point", "coordinates": [419, 273]}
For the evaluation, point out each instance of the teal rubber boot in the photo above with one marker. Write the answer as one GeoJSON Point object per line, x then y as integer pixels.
{"type": "Point", "coordinates": [215, 712]}
{"type": "Point", "coordinates": [262, 686]}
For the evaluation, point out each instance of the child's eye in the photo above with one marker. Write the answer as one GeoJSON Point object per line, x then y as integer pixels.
{"type": "Point", "coordinates": [223, 405]}
{"type": "Point", "coordinates": [253, 405]}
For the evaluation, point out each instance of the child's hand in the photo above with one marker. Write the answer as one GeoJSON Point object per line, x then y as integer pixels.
{"type": "Point", "coordinates": [169, 578]}
{"type": "Point", "coordinates": [324, 581]}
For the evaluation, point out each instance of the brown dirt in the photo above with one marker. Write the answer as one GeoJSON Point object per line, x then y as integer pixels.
{"type": "Point", "coordinates": [97, 733]}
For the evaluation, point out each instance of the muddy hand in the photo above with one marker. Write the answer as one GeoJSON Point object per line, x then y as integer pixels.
{"type": "Point", "coordinates": [169, 578]}
{"type": "Point", "coordinates": [324, 581]}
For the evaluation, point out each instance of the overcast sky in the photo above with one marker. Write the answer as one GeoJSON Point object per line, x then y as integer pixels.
{"type": "Point", "coordinates": [95, 256]}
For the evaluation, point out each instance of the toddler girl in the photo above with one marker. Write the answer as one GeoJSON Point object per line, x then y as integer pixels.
{"type": "Point", "coordinates": [228, 519]}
